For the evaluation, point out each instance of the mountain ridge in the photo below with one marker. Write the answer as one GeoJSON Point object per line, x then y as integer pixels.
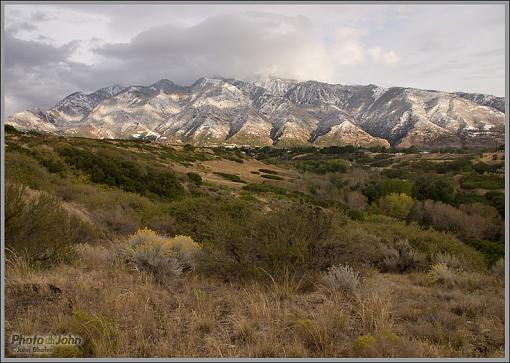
{"type": "Point", "coordinates": [278, 112]}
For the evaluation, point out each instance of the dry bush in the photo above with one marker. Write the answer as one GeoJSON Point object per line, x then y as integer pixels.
{"type": "Point", "coordinates": [161, 256]}
{"type": "Point", "coordinates": [452, 261]}
{"type": "Point", "coordinates": [439, 273]}
{"type": "Point", "coordinates": [498, 268]}
{"type": "Point", "coordinates": [373, 307]}
{"type": "Point", "coordinates": [342, 278]}
{"type": "Point", "coordinates": [447, 217]}
{"type": "Point", "coordinates": [400, 257]}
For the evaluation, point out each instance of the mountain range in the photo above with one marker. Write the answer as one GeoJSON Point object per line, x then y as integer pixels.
{"type": "Point", "coordinates": [277, 112]}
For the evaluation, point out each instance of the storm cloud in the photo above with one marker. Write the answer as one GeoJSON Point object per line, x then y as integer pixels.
{"type": "Point", "coordinates": [54, 50]}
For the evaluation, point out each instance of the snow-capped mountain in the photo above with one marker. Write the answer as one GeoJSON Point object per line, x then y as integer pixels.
{"type": "Point", "coordinates": [276, 112]}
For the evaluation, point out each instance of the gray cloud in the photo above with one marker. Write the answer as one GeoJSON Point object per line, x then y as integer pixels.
{"type": "Point", "coordinates": [231, 45]}
{"type": "Point", "coordinates": [54, 50]}
{"type": "Point", "coordinates": [31, 53]}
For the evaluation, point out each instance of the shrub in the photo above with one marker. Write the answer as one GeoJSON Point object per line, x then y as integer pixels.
{"type": "Point", "coordinates": [440, 189]}
{"type": "Point", "coordinates": [299, 238]}
{"type": "Point", "coordinates": [446, 217]}
{"type": "Point", "coordinates": [396, 186]}
{"type": "Point", "coordinates": [497, 200]}
{"type": "Point", "coordinates": [114, 170]}
{"type": "Point", "coordinates": [40, 227]}
{"type": "Point", "coordinates": [265, 188]}
{"type": "Point", "coordinates": [231, 177]}
{"type": "Point", "coordinates": [188, 148]}
{"type": "Point", "coordinates": [453, 262]}
{"type": "Point", "coordinates": [195, 178]}
{"type": "Point", "coordinates": [323, 166]}
{"type": "Point", "coordinates": [364, 345]}
{"type": "Point", "coordinates": [9, 129]}
{"type": "Point", "coordinates": [394, 205]}
{"type": "Point", "coordinates": [161, 256]}
{"type": "Point", "coordinates": [486, 181]}
{"type": "Point", "coordinates": [342, 278]}
{"type": "Point", "coordinates": [401, 257]}
{"type": "Point", "coordinates": [492, 251]}
{"type": "Point", "coordinates": [440, 273]}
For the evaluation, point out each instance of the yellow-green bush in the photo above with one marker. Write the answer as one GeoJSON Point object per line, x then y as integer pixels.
{"type": "Point", "coordinates": [161, 256]}
{"type": "Point", "coordinates": [396, 205]}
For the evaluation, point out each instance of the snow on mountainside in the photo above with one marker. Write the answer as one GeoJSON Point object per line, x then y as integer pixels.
{"type": "Point", "coordinates": [276, 112]}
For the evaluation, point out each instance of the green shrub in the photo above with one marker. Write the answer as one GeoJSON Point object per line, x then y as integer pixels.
{"type": "Point", "coordinates": [393, 205]}
{"type": "Point", "coordinates": [323, 166]}
{"type": "Point", "coordinates": [396, 186]}
{"type": "Point", "coordinates": [497, 200]}
{"type": "Point", "coordinates": [492, 251]}
{"type": "Point", "coordinates": [126, 174]}
{"type": "Point", "coordinates": [265, 188]}
{"type": "Point", "coordinates": [9, 129]}
{"type": "Point", "coordinates": [364, 345]}
{"type": "Point", "coordinates": [486, 181]}
{"type": "Point", "coordinates": [41, 228]}
{"type": "Point", "coordinates": [195, 178]}
{"type": "Point", "coordinates": [231, 177]}
{"type": "Point", "coordinates": [363, 239]}
{"type": "Point", "coordinates": [188, 148]}
{"type": "Point", "coordinates": [297, 239]}
{"type": "Point", "coordinates": [274, 177]}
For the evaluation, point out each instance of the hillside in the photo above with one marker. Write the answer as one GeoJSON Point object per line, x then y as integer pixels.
{"type": "Point", "coordinates": [156, 250]}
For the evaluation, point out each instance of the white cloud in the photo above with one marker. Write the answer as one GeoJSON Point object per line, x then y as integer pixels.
{"type": "Point", "coordinates": [379, 56]}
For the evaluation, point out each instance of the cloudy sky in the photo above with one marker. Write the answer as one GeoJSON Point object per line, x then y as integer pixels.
{"type": "Point", "coordinates": [54, 50]}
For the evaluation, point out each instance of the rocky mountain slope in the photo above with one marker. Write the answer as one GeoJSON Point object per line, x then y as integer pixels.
{"type": "Point", "coordinates": [276, 112]}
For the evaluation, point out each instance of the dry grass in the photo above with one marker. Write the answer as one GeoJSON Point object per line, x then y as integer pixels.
{"type": "Point", "coordinates": [125, 313]}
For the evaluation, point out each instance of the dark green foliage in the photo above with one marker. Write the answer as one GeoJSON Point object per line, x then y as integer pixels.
{"type": "Point", "coordinates": [339, 150]}
{"type": "Point", "coordinates": [492, 251]}
{"type": "Point", "coordinates": [395, 173]}
{"type": "Point", "coordinates": [323, 166]}
{"type": "Point", "coordinates": [125, 174]}
{"type": "Point", "coordinates": [482, 167]}
{"type": "Point", "coordinates": [461, 164]}
{"type": "Point", "coordinates": [231, 177]}
{"type": "Point", "coordinates": [188, 147]}
{"type": "Point", "coordinates": [10, 129]}
{"type": "Point", "coordinates": [490, 181]}
{"type": "Point", "coordinates": [195, 178]}
{"type": "Point", "coordinates": [440, 189]}
{"type": "Point", "coordinates": [274, 177]}
{"type": "Point", "coordinates": [467, 198]}
{"type": "Point", "coordinates": [265, 188]}
{"type": "Point", "coordinates": [497, 200]}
